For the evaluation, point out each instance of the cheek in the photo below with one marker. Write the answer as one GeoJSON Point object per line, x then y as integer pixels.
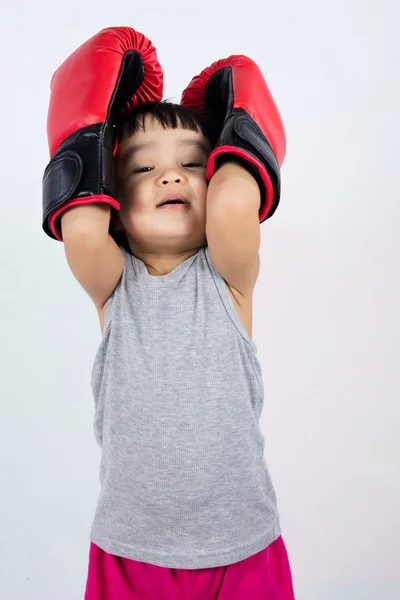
{"type": "Point", "coordinates": [136, 197]}
{"type": "Point", "coordinates": [128, 189]}
{"type": "Point", "coordinates": [201, 186]}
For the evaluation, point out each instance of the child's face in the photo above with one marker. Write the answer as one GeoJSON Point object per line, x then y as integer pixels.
{"type": "Point", "coordinates": [150, 164]}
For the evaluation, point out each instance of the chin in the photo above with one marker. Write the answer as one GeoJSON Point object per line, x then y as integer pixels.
{"type": "Point", "coordinates": [157, 236]}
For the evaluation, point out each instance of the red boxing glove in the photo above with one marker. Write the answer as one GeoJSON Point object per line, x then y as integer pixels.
{"type": "Point", "coordinates": [114, 70]}
{"type": "Point", "coordinates": [233, 92]}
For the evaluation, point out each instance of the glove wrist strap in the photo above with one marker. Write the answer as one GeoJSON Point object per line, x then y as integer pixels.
{"type": "Point", "coordinates": [82, 166]}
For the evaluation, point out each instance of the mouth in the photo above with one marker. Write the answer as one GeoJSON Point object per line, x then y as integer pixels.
{"type": "Point", "coordinates": [175, 200]}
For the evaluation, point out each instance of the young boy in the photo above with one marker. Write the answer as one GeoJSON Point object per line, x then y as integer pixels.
{"type": "Point", "coordinates": [186, 508]}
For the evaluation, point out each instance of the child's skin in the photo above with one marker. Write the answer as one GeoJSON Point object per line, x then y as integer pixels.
{"type": "Point", "coordinates": [173, 162]}
{"type": "Point", "coordinates": [154, 162]}
{"type": "Point", "coordinates": [149, 164]}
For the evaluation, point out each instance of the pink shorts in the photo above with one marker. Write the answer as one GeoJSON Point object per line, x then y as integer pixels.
{"type": "Point", "coordinates": [264, 576]}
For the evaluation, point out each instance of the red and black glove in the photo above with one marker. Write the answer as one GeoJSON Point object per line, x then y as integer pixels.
{"type": "Point", "coordinates": [114, 70]}
{"type": "Point", "coordinates": [234, 94]}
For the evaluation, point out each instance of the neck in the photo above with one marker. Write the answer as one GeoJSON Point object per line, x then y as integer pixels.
{"type": "Point", "coordinates": [162, 264]}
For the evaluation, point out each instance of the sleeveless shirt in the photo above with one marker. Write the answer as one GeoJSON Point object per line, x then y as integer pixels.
{"type": "Point", "coordinates": [178, 394]}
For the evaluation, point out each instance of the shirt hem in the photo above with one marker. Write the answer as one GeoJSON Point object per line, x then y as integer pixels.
{"type": "Point", "coordinates": [188, 560]}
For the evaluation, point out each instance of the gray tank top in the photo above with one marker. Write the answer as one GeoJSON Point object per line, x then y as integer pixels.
{"type": "Point", "coordinates": [178, 394]}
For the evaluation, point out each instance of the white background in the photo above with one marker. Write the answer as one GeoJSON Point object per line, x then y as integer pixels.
{"type": "Point", "coordinates": [326, 314]}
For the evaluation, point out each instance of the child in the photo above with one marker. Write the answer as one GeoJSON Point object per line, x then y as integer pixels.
{"type": "Point", "coordinates": [186, 508]}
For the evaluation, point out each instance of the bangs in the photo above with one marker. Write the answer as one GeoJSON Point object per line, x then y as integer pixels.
{"type": "Point", "coordinates": [168, 115]}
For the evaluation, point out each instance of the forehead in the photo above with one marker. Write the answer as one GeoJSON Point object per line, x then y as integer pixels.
{"type": "Point", "coordinates": [153, 136]}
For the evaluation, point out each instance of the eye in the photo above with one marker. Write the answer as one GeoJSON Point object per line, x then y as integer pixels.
{"type": "Point", "coordinates": [193, 164]}
{"type": "Point", "coordinates": [143, 170]}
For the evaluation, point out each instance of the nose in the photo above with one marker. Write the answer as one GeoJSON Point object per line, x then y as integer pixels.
{"type": "Point", "coordinates": [170, 180]}
{"type": "Point", "coordinates": [172, 175]}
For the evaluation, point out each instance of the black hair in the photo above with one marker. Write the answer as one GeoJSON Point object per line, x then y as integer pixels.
{"type": "Point", "coordinates": [170, 116]}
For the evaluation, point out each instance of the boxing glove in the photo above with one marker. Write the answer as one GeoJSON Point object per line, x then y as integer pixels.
{"type": "Point", "coordinates": [233, 93]}
{"type": "Point", "coordinates": [115, 70]}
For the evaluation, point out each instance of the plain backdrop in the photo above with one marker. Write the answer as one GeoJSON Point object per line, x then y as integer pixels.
{"type": "Point", "coordinates": [326, 306]}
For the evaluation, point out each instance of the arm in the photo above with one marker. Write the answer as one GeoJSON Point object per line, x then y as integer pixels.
{"type": "Point", "coordinates": [88, 92]}
{"type": "Point", "coordinates": [232, 226]}
{"type": "Point", "coordinates": [249, 130]}
{"type": "Point", "coordinates": [94, 258]}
